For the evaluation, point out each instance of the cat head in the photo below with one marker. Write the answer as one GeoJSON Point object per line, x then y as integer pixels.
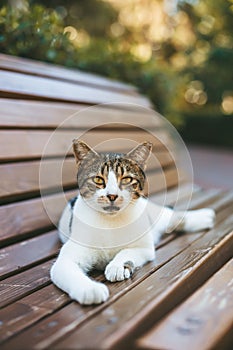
{"type": "Point", "coordinates": [110, 182]}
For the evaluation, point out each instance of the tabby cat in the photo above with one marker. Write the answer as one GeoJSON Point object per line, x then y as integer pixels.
{"type": "Point", "coordinates": [111, 225]}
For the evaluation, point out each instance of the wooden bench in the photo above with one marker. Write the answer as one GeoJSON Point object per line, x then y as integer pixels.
{"type": "Point", "coordinates": [182, 300]}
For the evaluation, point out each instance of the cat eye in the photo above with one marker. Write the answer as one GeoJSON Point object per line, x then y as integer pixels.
{"type": "Point", "coordinates": [98, 180]}
{"type": "Point", "coordinates": [126, 180]}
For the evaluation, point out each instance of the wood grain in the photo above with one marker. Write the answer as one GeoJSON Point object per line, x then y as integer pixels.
{"type": "Point", "coordinates": [19, 256]}
{"type": "Point", "coordinates": [33, 176]}
{"type": "Point", "coordinates": [18, 286]}
{"type": "Point", "coordinates": [36, 99]}
{"type": "Point", "coordinates": [36, 114]}
{"type": "Point", "coordinates": [73, 315]}
{"type": "Point", "coordinates": [23, 86]}
{"type": "Point", "coordinates": [24, 177]}
{"type": "Point", "coordinates": [203, 198]}
{"type": "Point", "coordinates": [165, 289]}
{"type": "Point", "coordinates": [29, 309]}
{"type": "Point", "coordinates": [20, 220]}
{"type": "Point", "coordinates": [29, 66]}
{"type": "Point", "coordinates": [176, 194]}
{"type": "Point", "coordinates": [18, 144]}
{"type": "Point", "coordinates": [26, 216]}
{"type": "Point", "coordinates": [207, 311]}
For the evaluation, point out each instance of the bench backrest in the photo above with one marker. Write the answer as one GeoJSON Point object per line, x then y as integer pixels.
{"type": "Point", "coordinates": [35, 142]}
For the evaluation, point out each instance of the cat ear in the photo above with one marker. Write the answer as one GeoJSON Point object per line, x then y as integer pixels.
{"type": "Point", "coordinates": [141, 153]}
{"type": "Point", "coordinates": [81, 149]}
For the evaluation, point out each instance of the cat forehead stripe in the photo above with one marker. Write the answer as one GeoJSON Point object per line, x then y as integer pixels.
{"type": "Point", "coordinates": [117, 165]}
{"type": "Point", "coordinates": [105, 169]}
{"type": "Point", "coordinates": [119, 169]}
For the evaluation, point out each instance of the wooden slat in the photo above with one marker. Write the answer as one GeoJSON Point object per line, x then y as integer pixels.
{"type": "Point", "coordinates": [18, 219]}
{"type": "Point", "coordinates": [51, 183]}
{"type": "Point", "coordinates": [28, 246]}
{"type": "Point", "coordinates": [207, 311]}
{"type": "Point", "coordinates": [29, 66]}
{"type": "Point", "coordinates": [22, 218]}
{"type": "Point", "coordinates": [176, 194]}
{"type": "Point", "coordinates": [31, 310]}
{"type": "Point", "coordinates": [35, 214]}
{"type": "Point", "coordinates": [18, 256]}
{"type": "Point", "coordinates": [194, 195]}
{"type": "Point", "coordinates": [18, 144]}
{"type": "Point", "coordinates": [28, 281]}
{"type": "Point", "coordinates": [204, 197]}
{"type": "Point", "coordinates": [56, 326]}
{"type": "Point", "coordinates": [34, 312]}
{"type": "Point", "coordinates": [31, 114]}
{"type": "Point", "coordinates": [163, 181]}
{"type": "Point", "coordinates": [24, 283]}
{"type": "Point", "coordinates": [164, 290]}
{"type": "Point", "coordinates": [19, 85]}
{"type": "Point", "coordinates": [30, 301]}
{"type": "Point", "coordinates": [23, 177]}
{"type": "Point", "coordinates": [37, 114]}
{"type": "Point", "coordinates": [132, 322]}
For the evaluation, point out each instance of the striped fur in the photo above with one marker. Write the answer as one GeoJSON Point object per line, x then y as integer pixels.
{"type": "Point", "coordinates": [111, 226]}
{"type": "Point", "coordinates": [94, 170]}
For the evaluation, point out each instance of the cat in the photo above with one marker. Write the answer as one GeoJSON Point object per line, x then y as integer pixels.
{"type": "Point", "coordinates": [111, 225]}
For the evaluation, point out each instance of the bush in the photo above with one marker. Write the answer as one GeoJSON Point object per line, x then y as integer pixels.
{"type": "Point", "coordinates": [107, 59]}
{"type": "Point", "coordinates": [37, 33]}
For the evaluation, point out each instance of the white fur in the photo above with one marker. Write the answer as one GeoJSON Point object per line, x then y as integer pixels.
{"type": "Point", "coordinates": [112, 231]}
{"type": "Point", "coordinates": [112, 185]}
{"type": "Point", "coordinates": [132, 234]}
{"type": "Point", "coordinates": [197, 220]}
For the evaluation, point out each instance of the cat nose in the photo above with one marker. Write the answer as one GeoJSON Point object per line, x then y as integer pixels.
{"type": "Point", "coordinates": [112, 197]}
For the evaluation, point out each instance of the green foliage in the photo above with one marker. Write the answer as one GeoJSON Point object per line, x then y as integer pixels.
{"type": "Point", "coordinates": [37, 33]}
{"type": "Point", "coordinates": [158, 84]}
{"type": "Point", "coordinates": [190, 94]}
{"type": "Point", "coordinates": [212, 22]}
{"type": "Point", "coordinates": [94, 16]}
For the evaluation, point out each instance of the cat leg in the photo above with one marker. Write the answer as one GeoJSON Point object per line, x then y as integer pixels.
{"type": "Point", "coordinates": [67, 275]}
{"type": "Point", "coordinates": [170, 220]}
{"type": "Point", "coordinates": [192, 220]}
{"type": "Point", "coordinates": [124, 263]}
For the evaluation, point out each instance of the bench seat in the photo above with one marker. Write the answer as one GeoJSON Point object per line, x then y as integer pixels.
{"type": "Point", "coordinates": [181, 300]}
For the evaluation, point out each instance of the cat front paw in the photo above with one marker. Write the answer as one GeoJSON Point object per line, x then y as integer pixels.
{"type": "Point", "coordinates": [91, 293]}
{"type": "Point", "coordinates": [198, 220]}
{"type": "Point", "coordinates": [118, 272]}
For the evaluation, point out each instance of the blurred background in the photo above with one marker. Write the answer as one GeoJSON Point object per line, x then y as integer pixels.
{"type": "Point", "coordinates": [178, 53]}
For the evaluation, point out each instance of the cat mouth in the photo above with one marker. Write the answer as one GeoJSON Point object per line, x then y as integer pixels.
{"type": "Point", "coordinates": [111, 208]}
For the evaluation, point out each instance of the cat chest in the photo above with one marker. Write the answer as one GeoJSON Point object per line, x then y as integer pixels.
{"type": "Point", "coordinates": [103, 257]}
{"type": "Point", "coordinates": [99, 236]}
